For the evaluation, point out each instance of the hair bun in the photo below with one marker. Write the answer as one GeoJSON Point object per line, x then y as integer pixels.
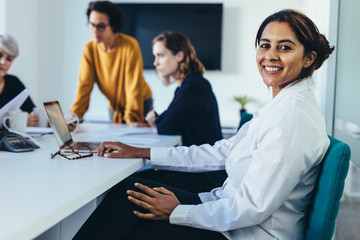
{"type": "Point", "coordinates": [324, 51]}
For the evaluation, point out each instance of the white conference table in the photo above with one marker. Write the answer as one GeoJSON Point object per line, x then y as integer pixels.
{"type": "Point", "coordinates": [37, 192]}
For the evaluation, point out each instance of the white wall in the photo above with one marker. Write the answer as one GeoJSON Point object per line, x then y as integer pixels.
{"type": "Point", "coordinates": [23, 24]}
{"type": "Point", "coordinates": [52, 34]}
{"type": "Point", "coordinates": [2, 16]}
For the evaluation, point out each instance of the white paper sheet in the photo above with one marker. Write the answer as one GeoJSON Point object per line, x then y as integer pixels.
{"type": "Point", "coordinates": [39, 130]}
{"type": "Point", "coordinates": [129, 131]}
{"type": "Point", "coordinates": [131, 140]}
{"type": "Point", "coordinates": [14, 104]}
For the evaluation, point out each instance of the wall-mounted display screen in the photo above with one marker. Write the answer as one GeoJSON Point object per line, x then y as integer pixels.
{"type": "Point", "coordinates": [202, 23]}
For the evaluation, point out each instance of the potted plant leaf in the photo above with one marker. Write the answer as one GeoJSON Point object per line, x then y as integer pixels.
{"type": "Point", "coordinates": [243, 100]}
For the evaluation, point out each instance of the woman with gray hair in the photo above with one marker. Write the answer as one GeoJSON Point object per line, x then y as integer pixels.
{"type": "Point", "coordinates": [11, 86]}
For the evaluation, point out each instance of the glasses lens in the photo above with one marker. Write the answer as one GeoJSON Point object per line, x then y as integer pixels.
{"type": "Point", "coordinates": [99, 27]}
{"type": "Point", "coordinates": [72, 154]}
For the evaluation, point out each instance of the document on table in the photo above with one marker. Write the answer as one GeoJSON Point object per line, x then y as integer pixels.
{"type": "Point", "coordinates": [14, 104]}
{"type": "Point", "coordinates": [122, 134]}
{"type": "Point", "coordinates": [39, 130]}
{"type": "Point", "coordinates": [117, 132]}
{"type": "Point", "coordinates": [131, 140]}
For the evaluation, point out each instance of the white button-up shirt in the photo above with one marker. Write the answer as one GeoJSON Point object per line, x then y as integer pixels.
{"type": "Point", "coordinates": [272, 165]}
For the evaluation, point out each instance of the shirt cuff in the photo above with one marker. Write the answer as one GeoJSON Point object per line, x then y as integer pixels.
{"type": "Point", "coordinates": [180, 215]}
{"type": "Point", "coordinates": [158, 156]}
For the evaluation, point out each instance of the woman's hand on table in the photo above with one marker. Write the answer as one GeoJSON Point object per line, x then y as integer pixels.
{"type": "Point", "coordinates": [33, 120]}
{"type": "Point", "coordinates": [73, 124]}
{"type": "Point", "coordinates": [151, 118]}
{"type": "Point", "coordinates": [138, 124]}
{"type": "Point", "coordinates": [121, 150]}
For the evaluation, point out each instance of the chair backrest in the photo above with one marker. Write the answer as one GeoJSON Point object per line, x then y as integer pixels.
{"type": "Point", "coordinates": [328, 191]}
{"type": "Point", "coordinates": [244, 117]}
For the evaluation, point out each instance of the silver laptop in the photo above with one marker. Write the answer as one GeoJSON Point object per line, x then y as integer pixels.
{"type": "Point", "coordinates": [61, 131]}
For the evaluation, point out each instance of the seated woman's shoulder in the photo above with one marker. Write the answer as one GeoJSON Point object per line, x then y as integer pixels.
{"type": "Point", "coordinates": [198, 81]}
{"type": "Point", "coordinates": [90, 46]}
{"type": "Point", "coordinates": [13, 80]}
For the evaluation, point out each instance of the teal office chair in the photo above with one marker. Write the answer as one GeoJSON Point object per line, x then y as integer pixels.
{"type": "Point", "coordinates": [328, 191]}
{"type": "Point", "coordinates": [244, 117]}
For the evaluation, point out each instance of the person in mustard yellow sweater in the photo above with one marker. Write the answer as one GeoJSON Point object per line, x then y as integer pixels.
{"type": "Point", "coordinates": [113, 61]}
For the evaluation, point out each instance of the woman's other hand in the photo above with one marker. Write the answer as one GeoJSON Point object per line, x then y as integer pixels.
{"type": "Point", "coordinates": [159, 201]}
{"type": "Point", "coordinates": [33, 120]}
{"type": "Point", "coordinates": [72, 127]}
{"type": "Point", "coordinates": [120, 150]}
{"type": "Point", "coordinates": [73, 122]}
{"type": "Point", "coordinates": [138, 124]}
{"type": "Point", "coordinates": [151, 118]}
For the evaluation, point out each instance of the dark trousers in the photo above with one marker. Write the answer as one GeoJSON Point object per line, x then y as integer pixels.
{"type": "Point", "coordinates": [114, 219]}
{"type": "Point", "coordinates": [192, 182]}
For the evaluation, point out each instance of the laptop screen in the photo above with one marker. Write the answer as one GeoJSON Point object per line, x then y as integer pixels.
{"type": "Point", "coordinates": [57, 122]}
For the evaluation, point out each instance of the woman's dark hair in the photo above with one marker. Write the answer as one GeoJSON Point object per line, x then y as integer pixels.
{"type": "Point", "coordinates": [113, 11]}
{"type": "Point", "coordinates": [176, 42]}
{"type": "Point", "coordinates": [306, 32]}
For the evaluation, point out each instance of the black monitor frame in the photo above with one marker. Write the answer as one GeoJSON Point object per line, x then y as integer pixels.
{"type": "Point", "coordinates": [201, 23]}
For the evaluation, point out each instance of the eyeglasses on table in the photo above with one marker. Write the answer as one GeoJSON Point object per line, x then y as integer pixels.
{"type": "Point", "coordinates": [73, 154]}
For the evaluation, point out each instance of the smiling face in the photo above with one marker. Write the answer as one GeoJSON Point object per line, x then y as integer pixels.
{"type": "Point", "coordinates": [6, 61]}
{"type": "Point", "coordinates": [166, 63]}
{"type": "Point", "coordinates": [99, 26]}
{"type": "Point", "coordinates": [280, 56]}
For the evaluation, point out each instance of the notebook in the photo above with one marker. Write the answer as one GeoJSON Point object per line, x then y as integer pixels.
{"type": "Point", "coordinates": [61, 131]}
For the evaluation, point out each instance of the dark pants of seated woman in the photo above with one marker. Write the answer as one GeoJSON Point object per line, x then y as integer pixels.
{"type": "Point", "coordinates": [114, 218]}
{"type": "Point", "coordinates": [192, 182]}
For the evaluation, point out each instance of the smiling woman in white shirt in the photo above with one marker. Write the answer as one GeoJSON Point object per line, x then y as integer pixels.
{"type": "Point", "coordinates": [272, 162]}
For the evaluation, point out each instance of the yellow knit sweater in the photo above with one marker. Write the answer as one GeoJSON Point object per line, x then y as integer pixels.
{"type": "Point", "coordinates": [119, 76]}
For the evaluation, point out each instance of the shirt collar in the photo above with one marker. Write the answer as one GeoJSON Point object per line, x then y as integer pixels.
{"type": "Point", "coordinates": [289, 91]}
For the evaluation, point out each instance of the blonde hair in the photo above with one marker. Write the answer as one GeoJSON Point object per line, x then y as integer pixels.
{"type": "Point", "coordinates": [176, 42]}
{"type": "Point", "coordinates": [9, 45]}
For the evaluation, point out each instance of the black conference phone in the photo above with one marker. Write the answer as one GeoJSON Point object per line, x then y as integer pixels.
{"type": "Point", "coordinates": [15, 143]}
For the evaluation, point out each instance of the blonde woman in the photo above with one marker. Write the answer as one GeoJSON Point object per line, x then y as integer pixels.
{"type": "Point", "coordinates": [10, 85]}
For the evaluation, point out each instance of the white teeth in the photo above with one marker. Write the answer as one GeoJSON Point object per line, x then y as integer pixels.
{"type": "Point", "coordinates": [272, 69]}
